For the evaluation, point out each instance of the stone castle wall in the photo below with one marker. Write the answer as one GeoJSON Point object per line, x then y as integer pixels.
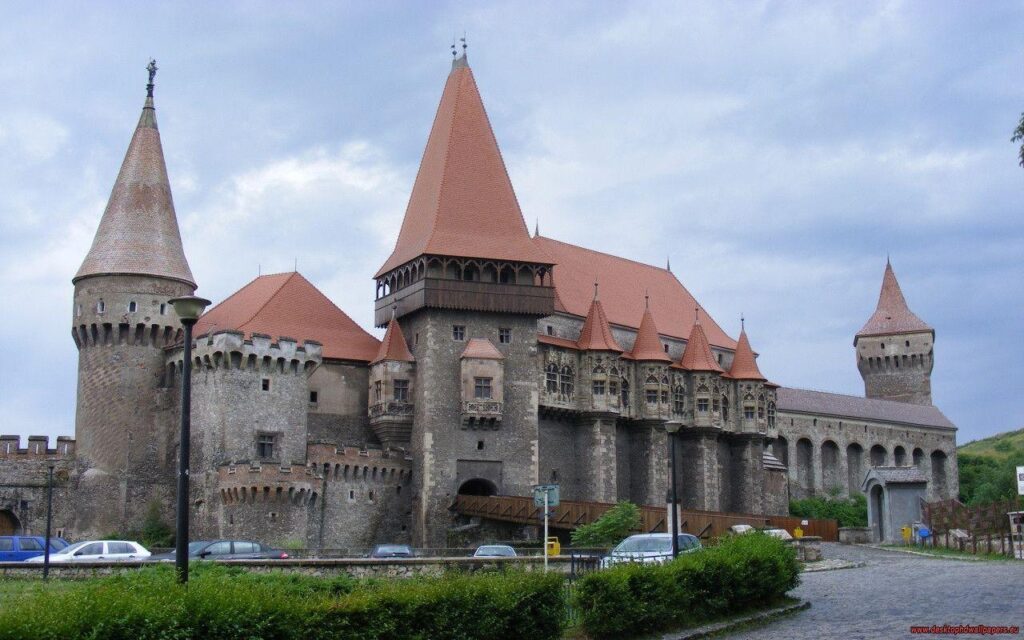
{"type": "Point", "coordinates": [897, 367]}
{"type": "Point", "coordinates": [23, 482]}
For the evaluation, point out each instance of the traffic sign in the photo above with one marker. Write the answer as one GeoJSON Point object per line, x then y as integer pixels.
{"type": "Point", "coordinates": [540, 490]}
{"type": "Point", "coordinates": [1020, 480]}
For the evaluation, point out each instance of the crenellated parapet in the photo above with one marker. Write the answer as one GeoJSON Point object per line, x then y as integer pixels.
{"type": "Point", "coordinates": [37, 447]}
{"type": "Point", "coordinates": [352, 464]}
{"type": "Point", "coordinates": [230, 350]}
{"type": "Point", "coordinates": [257, 483]}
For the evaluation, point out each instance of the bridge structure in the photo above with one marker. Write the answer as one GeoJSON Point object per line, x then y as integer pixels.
{"type": "Point", "coordinates": [653, 519]}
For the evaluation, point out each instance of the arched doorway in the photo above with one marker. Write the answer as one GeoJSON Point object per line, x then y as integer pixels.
{"type": "Point", "coordinates": [878, 511]}
{"type": "Point", "coordinates": [854, 466]}
{"type": "Point", "coordinates": [478, 487]}
{"type": "Point", "coordinates": [830, 473]}
{"type": "Point", "coordinates": [9, 524]}
{"type": "Point", "coordinates": [878, 455]}
{"type": "Point", "coordinates": [899, 455]}
{"type": "Point", "coordinates": [940, 485]}
{"type": "Point", "coordinates": [805, 467]}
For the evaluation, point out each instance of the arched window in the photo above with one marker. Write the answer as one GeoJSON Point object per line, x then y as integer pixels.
{"type": "Point", "coordinates": [567, 381]}
{"type": "Point", "coordinates": [132, 307]}
{"type": "Point", "coordinates": [624, 390]}
{"type": "Point", "coordinates": [725, 407]}
{"type": "Point", "coordinates": [678, 399]}
{"type": "Point", "coordinates": [771, 415]}
{"type": "Point", "coordinates": [100, 307]}
{"type": "Point", "coordinates": [551, 378]}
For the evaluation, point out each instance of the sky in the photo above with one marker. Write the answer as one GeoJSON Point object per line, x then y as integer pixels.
{"type": "Point", "coordinates": [777, 152]}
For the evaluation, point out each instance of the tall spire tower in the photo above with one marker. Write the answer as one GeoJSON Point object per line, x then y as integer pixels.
{"type": "Point", "coordinates": [121, 323]}
{"type": "Point", "coordinates": [467, 283]}
{"type": "Point", "coordinates": [895, 348]}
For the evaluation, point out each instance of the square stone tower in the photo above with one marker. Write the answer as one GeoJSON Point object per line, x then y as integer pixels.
{"type": "Point", "coordinates": [466, 284]}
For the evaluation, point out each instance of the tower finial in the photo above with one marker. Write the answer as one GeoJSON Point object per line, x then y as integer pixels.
{"type": "Point", "coordinates": [696, 315]}
{"type": "Point", "coordinates": [536, 227]}
{"type": "Point", "coordinates": [595, 288]}
{"type": "Point", "coordinates": [647, 299]}
{"type": "Point", "coordinates": [743, 324]}
{"type": "Point", "coordinates": [151, 68]}
{"type": "Point", "coordinates": [668, 263]}
{"type": "Point", "coordinates": [464, 45]}
{"type": "Point", "coordinates": [453, 48]}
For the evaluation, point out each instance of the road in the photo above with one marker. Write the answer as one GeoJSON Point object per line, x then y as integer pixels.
{"type": "Point", "coordinates": [897, 590]}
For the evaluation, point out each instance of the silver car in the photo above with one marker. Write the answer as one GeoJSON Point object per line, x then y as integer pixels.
{"type": "Point", "coordinates": [650, 548]}
{"type": "Point", "coordinates": [494, 551]}
{"type": "Point", "coordinates": [98, 551]}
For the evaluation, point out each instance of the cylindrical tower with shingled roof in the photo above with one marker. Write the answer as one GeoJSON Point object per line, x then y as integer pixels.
{"type": "Point", "coordinates": [121, 323]}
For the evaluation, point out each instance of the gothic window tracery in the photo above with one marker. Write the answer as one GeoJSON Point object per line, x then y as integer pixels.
{"type": "Point", "coordinates": [567, 381]}
{"type": "Point", "coordinates": [551, 378]}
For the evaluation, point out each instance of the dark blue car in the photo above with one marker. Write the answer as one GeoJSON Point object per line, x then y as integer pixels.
{"type": "Point", "coordinates": [17, 548]}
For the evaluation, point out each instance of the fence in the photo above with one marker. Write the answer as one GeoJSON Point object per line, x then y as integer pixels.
{"type": "Point", "coordinates": [569, 515]}
{"type": "Point", "coordinates": [979, 529]}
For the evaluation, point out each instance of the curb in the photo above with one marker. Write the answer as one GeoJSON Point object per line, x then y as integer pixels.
{"type": "Point", "coordinates": [920, 553]}
{"type": "Point", "coordinates": [848, 565]}
{"type": "Point", "coordinates": [712, 630]}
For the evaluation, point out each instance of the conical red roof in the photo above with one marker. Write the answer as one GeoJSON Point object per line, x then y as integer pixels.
{"type": "Point", "coordinates": [744, 365]}
{"type": "Point", "coordinates": [138, 233]}
{"type": "Point", "coordinates": [648, 345]}
{"type": "Point", "coordinates": [286, 304]}
{"type": "Point", "coordinates": [892, 315]}
{"type": "Point", "coordinates": [697, 356]}
{"type": "Point", "coordinates": [481, 348]}
{"type": "Point", "coordinates": [596, 334]}
{"type": "Point", "coordinates": [462, 203]}
{"type": "Point", "coordinates": [393, 347]}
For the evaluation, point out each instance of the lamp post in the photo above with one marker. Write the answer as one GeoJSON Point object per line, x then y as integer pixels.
{"type": "Point", "coordinates": [188, 308]}
{"type": "Point", "coordinates": [672, 428]}
{"type": "Point", "coordinates": [49, 521]}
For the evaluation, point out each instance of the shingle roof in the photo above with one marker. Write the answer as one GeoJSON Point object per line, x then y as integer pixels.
{"type": "Point", "coordinates": [596, 334]}
{"type": "Point", "coordinates": [393, 347]}
{"type": "Point", "coordinates": [286, 304]}
{"type": "Point", "coordinates": [892, 315]}
{"type": "Point", "coordinates": [744, 365]}
{"type": "Point", "coordinates": [843, 406]}
{"type": "Point", "coordinates": [697, 356]}
{"type": "Point", "coordinates": [771, 462]}
{"type": "Point", "coordinates": [624, 283]}
{"type": "Point", "coordinates": [138, 233]}
{"type": "Point", "coordinates": [648, 345]}
{"type": "Point", "coordinates": [896, 475]}
{"type": "Point", "coordinates": [462, 202]}
{"type": "Point", "coordinates": [483, 349]}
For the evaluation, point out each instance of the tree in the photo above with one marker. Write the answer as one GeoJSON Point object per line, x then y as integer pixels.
{"type": "Point", "coordinates": [1018, 136]}
{"type": "Point", "coordinates": [608, 530]}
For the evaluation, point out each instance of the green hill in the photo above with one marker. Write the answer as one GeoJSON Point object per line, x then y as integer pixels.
{"type": "Point", "coordinates": [987, 467]}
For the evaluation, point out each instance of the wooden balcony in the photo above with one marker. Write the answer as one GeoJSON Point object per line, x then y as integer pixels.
{"type": "Point", "coordinates": [468, 295]}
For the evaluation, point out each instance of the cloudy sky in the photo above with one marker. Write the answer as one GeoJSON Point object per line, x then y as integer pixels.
{"type": "Point", "coordinates": [775, 151]}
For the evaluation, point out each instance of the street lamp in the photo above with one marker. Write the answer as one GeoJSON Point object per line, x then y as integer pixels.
{"type": "Point", "coordinates": [673, 428]}
{"type": "Point", "coordinates": [188, 308]}
{"type": "Point", "coordinates": [49, 521]}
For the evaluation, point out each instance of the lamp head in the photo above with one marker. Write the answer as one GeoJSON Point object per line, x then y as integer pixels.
{"type": "Point", "coordinates": [189, 308]}
{"type": "Point", "coordinates": [673, 427]}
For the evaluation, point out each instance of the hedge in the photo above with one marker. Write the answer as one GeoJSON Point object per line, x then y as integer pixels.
{"type": "Point", "coordinates": [744, 572]}
{"type": "Point", "coordinates": [227, 603]}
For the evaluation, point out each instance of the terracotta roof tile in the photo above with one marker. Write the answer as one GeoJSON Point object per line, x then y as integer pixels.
{"type": "Point", "coordinates": [483, 349]}
{"type": "Point", "coordinates": [892, 315]}
{"type": "Point", "coordinates": [393, 347]}
{"type": "Point", "coordinates": [623, 283]}
{"type": "Point", "coordinates": [648, 345]}
{"type": "Point", "coordinates": [565, 343]}
{"type": "Point", "coordinates": [462, 202]}
{"type": "Point", "coordinates": [697, 355]}
{"type": "Point", "coordinates": [744, 365]}
{"type": "Point", "coordinates": [596, 334]}
{"type": "Point", "coordinates": [286, 304]}
{"type": "Point", "coordinates": [138, 233]}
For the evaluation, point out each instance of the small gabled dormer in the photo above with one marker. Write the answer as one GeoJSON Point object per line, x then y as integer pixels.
{"type": "Point", "coordinates": [483, 382]}
{"type": "Point", "coordinates": [392, 376]}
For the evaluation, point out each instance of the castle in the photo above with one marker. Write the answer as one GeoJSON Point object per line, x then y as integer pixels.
{"type": "Point", "coordinates": [504, 365]}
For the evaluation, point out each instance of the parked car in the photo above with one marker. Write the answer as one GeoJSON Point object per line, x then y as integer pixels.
{"type": "Point", "coordinates": [18, 548]}
{"type": "Point", "coordinates": [391, 551]}
{"type": "Point", "coordinates": [650, 548]}
{"type": "Point", "coordinates": [226, 550]}
{"type": "Point", "coordinates": [98, 551]}
{"type": "Point", "coordinates": [494, 551]}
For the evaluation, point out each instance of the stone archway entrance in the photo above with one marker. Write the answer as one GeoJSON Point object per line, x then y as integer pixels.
{"type": "Point", "coordinates": [9, 524]}
{"type": "Point", "coordinates": [478, 487]}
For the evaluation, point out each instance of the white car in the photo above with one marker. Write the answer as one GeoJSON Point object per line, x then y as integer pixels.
{"type": "Point", "coordinates": [650, 548]}
{"type": "Point", "coordinates": [98, 551]}
{"type": "Point", "coordinates": [494, 551]}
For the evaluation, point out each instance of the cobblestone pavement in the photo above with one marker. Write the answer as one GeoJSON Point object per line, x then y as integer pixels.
{"type": "Point", "coordinates": [897, 590]}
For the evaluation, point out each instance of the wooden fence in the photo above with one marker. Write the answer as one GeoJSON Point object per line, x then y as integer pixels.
{"type": "Point", "coordinates": [986, 528]}
{"type": "Point", "coordinates": [569, 515]}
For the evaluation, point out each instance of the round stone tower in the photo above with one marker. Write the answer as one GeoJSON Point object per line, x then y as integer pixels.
{"type": "Point", "coordinates": [121, 323]}
{"type": "Point", "coordinates": [895, 349]}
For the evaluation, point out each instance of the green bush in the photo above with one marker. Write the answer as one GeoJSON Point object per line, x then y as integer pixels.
{"type": "Point", "coordinates": [851, 512]}
{"type": "Point", "coordinates": [742, 572]}
{"type": "Point", "coordinates": [230, 603]}
{"type": "Point", "coordinates": [987, 479]}
{"type": "Point", "coordinates": [610, 529]}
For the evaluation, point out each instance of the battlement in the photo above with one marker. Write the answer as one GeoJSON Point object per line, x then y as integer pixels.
{"type": "Point", "coordinates": [38, 447]}
{"type": "Point", "coordinates": [347, 464]}
{"type": "Point", "coordinates": [231, 350]}
{"type": "Point", "coordinates": [122, 333]}
{"type": "Point", "coordinates": [252, 483]}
